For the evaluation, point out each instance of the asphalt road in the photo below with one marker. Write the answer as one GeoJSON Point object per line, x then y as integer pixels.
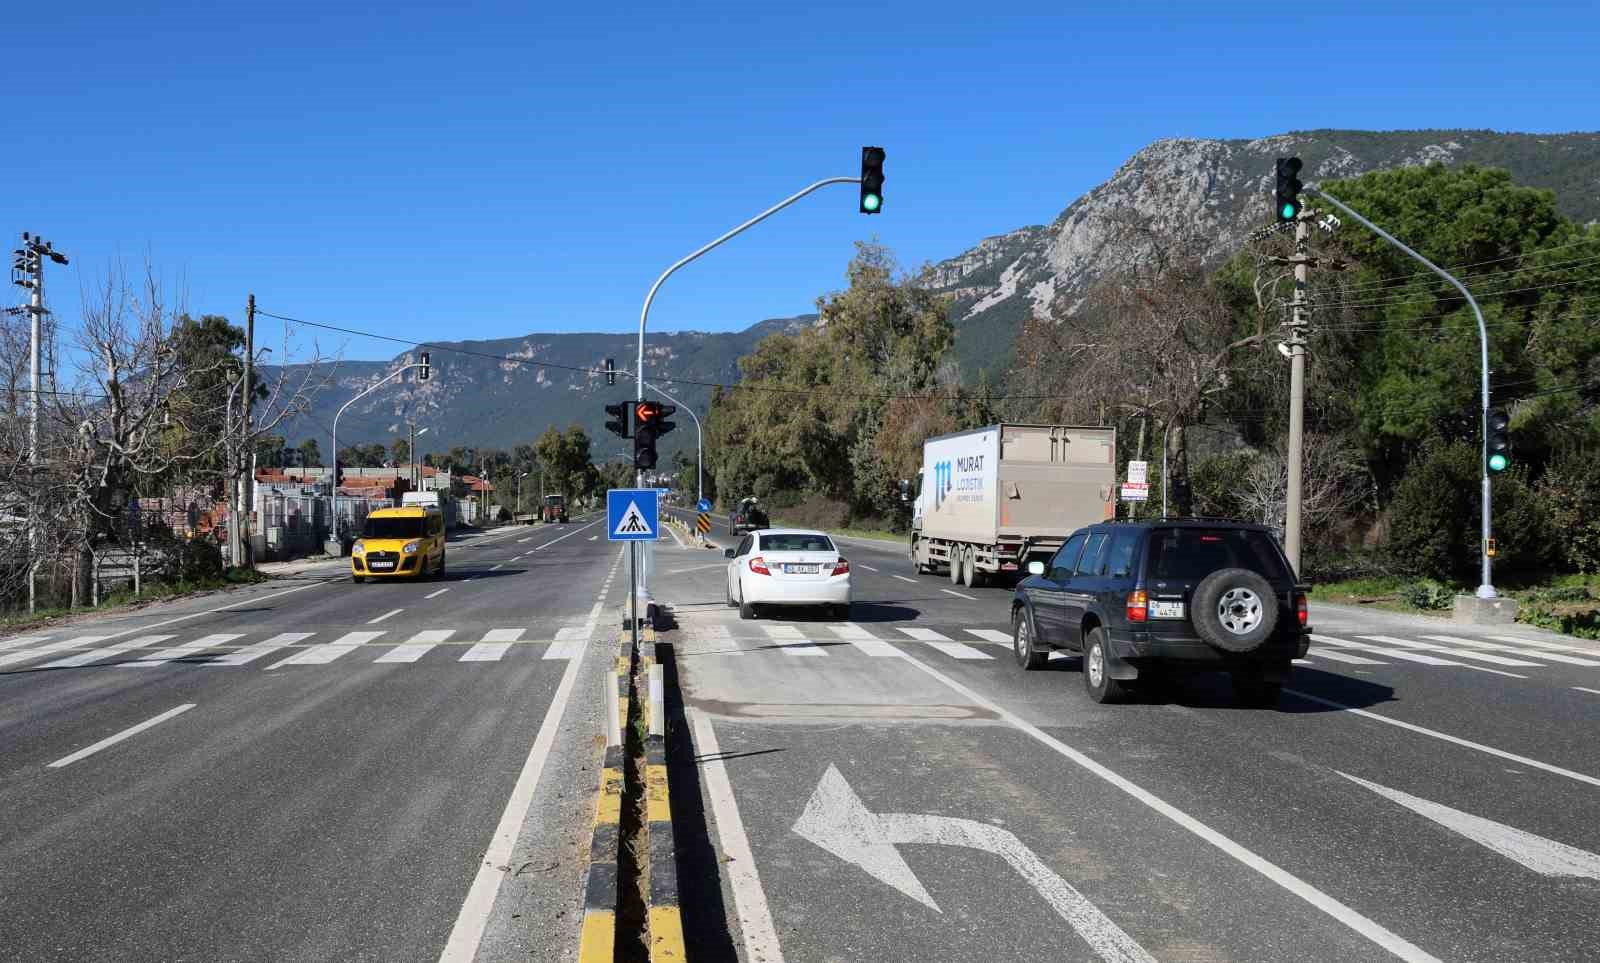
{"type": "Point", "coordinates": [324, 770]}
{"type": "Point", "coordinates": [896, 787]}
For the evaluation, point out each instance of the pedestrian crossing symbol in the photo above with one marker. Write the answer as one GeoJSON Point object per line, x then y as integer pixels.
{"type": "Point", "coordinates": [632, 514]}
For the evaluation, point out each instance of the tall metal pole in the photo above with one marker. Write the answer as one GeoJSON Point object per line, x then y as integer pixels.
{"type": "Point", "coordinates": [392, 375]}
{"type": "Point", "coordinates": [644, 314]}
{"type": "Point", "coordinates": [1486, 587]}
{"type": "Point", "coordinates": [699, 441]}
{"type": "Point", "coordinates": [1297, 392]}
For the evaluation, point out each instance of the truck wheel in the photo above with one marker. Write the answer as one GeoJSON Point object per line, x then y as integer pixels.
{"type": "Point", "coordinates": [957, 554]}
{"type": "Point", "coordinates": [970, 575]}
{"type": "Point", "coordinates": [1096, 679]}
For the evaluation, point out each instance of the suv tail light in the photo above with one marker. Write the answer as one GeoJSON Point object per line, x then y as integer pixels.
{"type": "Point", "coordinates": [1138, 606]}
{"type": "Point", "coordinates": [841, 567]}
{"type": "Point", "coordinates": [1300, 608]}
{"type": "Point", "coordinates": [758, 565]}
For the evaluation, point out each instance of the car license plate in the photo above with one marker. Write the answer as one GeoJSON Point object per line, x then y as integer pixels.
{"type": "Point", "coordinates": [1166, 610]}
{"type": "Point", "coordinates": [800, 569]}
{"type": "Point", "coordinates": [375, 566]}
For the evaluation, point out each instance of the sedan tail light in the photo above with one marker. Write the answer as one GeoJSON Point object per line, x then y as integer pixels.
{"type": "Point", "coordinates": [841, 567]}
{"type": "Point", "coordinates": [1138, 606]}
{"type": "Point", "coordinates": [758, 565]}
{"type": "Point", "coordinates": [1300, 608]}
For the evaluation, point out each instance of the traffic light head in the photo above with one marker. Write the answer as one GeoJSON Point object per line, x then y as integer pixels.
{"type": "Point", "coordinates": [872, 180]}
{"type": "Point", "coordinates": [1497, 440]}
{"type": "Point", "coordinates": [618, 425]}
{"type": "Point", "coordinates": [650, 423]}
{"type": "Point", "coordinates": [426, 371]}
{"type": "Point", "coordinates": [1287, 196]}
{"type": "Point", "coordinates": [611, 371]}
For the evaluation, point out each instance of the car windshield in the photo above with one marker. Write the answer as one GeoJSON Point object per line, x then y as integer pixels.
{"type": "Point", "coordinates": [1194, 553]}
{"type": "Point", "coordinates": [392, 528]}
{"type": "Point", "coordinates": [796, 542]}
{"type": "Point", "coordinates": [555, 500]}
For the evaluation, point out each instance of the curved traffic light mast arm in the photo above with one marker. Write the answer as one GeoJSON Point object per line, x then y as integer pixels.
{"type": "Point", "coordinates": [644, 315]}
{"type": "Point", "coordinates": [1486, 587]}
{"type": "Point", "coordinates": [699, 442]}
{"type": "Point", "coordinates": [391, 376]}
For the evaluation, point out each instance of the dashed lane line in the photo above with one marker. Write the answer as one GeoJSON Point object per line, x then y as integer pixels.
{"type": "Point", "coordinates": [904, 579]}
{"type": "Point", "coordinates": [958, 595]}
{"type": "Point", "coordinates": [127, 733]}
{"type": "Point", "coordinates": [390, 614]}
{"type": "Point", "coordinates": [435, 594]}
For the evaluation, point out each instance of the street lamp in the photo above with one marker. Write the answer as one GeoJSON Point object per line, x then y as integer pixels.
{"type": "Point", "coordinates": [519, 490]}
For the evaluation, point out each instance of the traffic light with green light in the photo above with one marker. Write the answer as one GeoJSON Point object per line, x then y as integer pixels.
{"type": "Point", "coordinates": [1498, 442]}
{"type": "Point", "coordinates": [872, 180]}
{"type": "Point", "coordinates": [1287, 196]}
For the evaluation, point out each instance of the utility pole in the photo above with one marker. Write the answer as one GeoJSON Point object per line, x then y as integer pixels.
{"type": "Point", "coordinates": [1299, 318]}
{"type": "Point", "coordinates": [29, 263]}
{"type": "Point", "coordinates": [243, 468]}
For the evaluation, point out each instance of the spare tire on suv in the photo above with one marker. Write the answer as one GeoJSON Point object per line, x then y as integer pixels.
{"type": "Point", "coordinates": [1234, 609]}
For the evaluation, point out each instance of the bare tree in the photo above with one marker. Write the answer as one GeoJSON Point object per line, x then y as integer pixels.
{"type": "Point", "coordinates": [1334, 484]}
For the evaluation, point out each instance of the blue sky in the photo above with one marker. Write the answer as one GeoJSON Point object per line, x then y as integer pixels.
{"type": "Point", "coordinates": [440, 171]}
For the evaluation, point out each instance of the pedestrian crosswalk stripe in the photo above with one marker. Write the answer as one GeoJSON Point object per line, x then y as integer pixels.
{"type": "Point", "coordinates": [485, 652]}
{"type": "Point", "coordinates": [990, 635]}
{"type": "Point", "coordinates": [802, 647]}
{"type": "Point", "coordinates": [960, 650]}
{"type": "Point", "coordinates": [1545, 646]}
{"type": "Point", "coordinates": [323, 654]}
{"type": "Point", "coordinates": [1457, 653]}
{"type": "Point", "coordinates": [1379, 650]}
{"type": "Point", "coordinates": [95, 655]}
{"type": "Point", "coordinates": [925, 635]}
{"type": "Point", "coordinates": [406, 652]}
{"type": "Point", "coordinates": [46, 649]}
{"type": "Point", "coordinates": [183, 651]}
{"type": "Point", "coordinates": [502, 635]}
{"type": "Point", "coordinates": [783, 631]}
{"type": "Point", "coordinates": [1333, 656]}
{"type": "Point", "coordinates": [22, 640]}
{"type": "Point", "coordinates": [434, 636]}
{"type": "Point", "coordinates": [250, 653]}
{"type": "Point", "coordinates": [1497, 647]}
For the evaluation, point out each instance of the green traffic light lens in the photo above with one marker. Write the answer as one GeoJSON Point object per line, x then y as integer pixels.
{"type": "Point", "coordinates": [1289, 211]}
{"type": "Point", "coordinates": [871, 202]}
{"type": "Point", "coordinates": [1497, 462]}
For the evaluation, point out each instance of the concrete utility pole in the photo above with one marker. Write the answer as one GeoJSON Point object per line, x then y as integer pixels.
{"type": "Point", "coordinates": [241, 471]}
{"type": "Point", "coordinates": [29, 262]}
{"type": "Point", "coordinates": [1299, 318]}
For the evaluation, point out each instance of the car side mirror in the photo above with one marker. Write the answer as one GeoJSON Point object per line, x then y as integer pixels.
{"type": "Point", "coordinates": [1035, 567]}
{"type": "Point", "coordinates": [727, 553]}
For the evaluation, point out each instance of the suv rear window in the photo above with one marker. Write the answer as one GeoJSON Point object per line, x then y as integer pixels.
{"type": "Point", "coordinates": [1193, 553]}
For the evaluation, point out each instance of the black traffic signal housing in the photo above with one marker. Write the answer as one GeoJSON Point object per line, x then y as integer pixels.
{"type": "Point", "coordinates": [338, 473]}
{"type": "Point", "coordinates": [426, 371]}
{"type": "Point", "coordinates": [649, 424]}
{"type": "Point", "coordinates": [611, 374]}
{"type": "Point", "coordinates": [1287, 196]}
{"type": "Point", "coordinates": [1497, 440]}
{"type": "Point", "coordinates": [872, 180]}
{"type": "Point", "coordinates": [618, 425]}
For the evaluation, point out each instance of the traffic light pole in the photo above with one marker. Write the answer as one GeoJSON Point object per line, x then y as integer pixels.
{"type": "Point", "coordinates": [335, 486]}
{"type": "Point", "coordinates": [1486, 587]}
{"type": "Point", "coordinates": [1297, 395]}
{"type": "Point", "coordinates": [644, 315]}
{"type": "Point", "coordinates": [699, 442]}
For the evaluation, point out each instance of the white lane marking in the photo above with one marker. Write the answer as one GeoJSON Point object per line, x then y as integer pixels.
{"type": "Point", "coordinates": [805, 648]}
{"type": "Point", "coordinates": [593, 537]}
{"type": "Point", "coordinates": [1368, 928]}
{"type": "Point", "coordinates": [836, 820]}
{"type": "Point", "coordinates": [496, 568]}
{"type": "Point", "coordinates": [904, 579]}
{"type": "Point", "coordinates": [385, 615]}
{"type": "Point", "coordinates": [255, 600]}
{"type": "Point", "coordinates": [22, 640]}
{"type": "Point", "coordinates": [417, 646]}
{"type": "Point", "coordinates": [867, 567]}
{"type": "Point", "coordinates": [749, 900]}
{"type": "Point", "coordinates": [94, 655]}
{"type": "Point", "coordinates": [925, 635]}
{"type": "Point", "coordinates": [990, 635]}
{"type": "Point", "coordinates": [485, 652]}
{"type": "Point", "coordinates": [1446, 737]}
{"type": "Point", "coordinates": [783, 632]}
{"type": "Point", "coordinates": [528, 539]}
{"type": "Point", "coordinates": [502, 635]}
{"type": "Point", "coordinates": [1333, 656]}
{"type": "Point", "coordinates": [564, 649]}
{"type": "Point", "coordinates": [1582, 689]}
{"type": "Point", "coordinates": [467, 932]}
{"type": "Point", "coordinates": [323, 654]}
{"type": "Point", "coordinates": [1497, 647]}
{"type": "Point", "coordinates": [181, 651]}
{"type": "Point", "coordinates": [595, 612]}
{"type": "Point", "coordinates": [436, 594]}
{"type": "Point", "coordinates": [960, 650]}
{"type": "Point", "coordinates": [1391, 653]}
{"type": "Point", "coordinates": [575, 633]}
{"type": "Point", "coordinates": [72, 643]}
{"type": "Point", "coordinates": [1458, 653]}
{"type": "Point", "coordinates": [88, 751]}
{"type": "Point", "coordinates": [265, 647]}
{"type": "Point", "coordinates": [958, 595]}
{"type": "Point", "coordinates": [568, 535]}
{"type": "Point", "coordinates": [1546, 857]}
{"type": "Point", "coordinates": [1540, 644]}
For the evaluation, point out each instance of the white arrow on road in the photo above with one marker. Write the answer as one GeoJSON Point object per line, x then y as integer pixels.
{"type": "Point", "coordinates": [836, 820]}
{"type": "Point", "coordinates": [1544, 856]}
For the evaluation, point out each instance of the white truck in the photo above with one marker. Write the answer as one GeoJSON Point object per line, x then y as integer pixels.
{"type": "Point", "coordinates": [990, 499]}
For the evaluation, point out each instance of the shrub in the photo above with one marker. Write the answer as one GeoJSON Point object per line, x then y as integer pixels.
{"type": "Point", "coordinates": [1433, 519]}
{"type": "Point", "coordinates": [1571, 489]}
{"type": "Point", "coordinates": [1427, 594]}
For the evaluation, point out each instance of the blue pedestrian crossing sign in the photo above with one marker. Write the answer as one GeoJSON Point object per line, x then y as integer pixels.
{"type": "Point", "coordinates": [703, 505]}
{"type": "Point", "coordinates": [632, 514]}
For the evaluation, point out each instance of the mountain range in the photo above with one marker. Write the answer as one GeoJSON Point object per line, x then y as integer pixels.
{"type": "Point", "coordinates": [504, 392]}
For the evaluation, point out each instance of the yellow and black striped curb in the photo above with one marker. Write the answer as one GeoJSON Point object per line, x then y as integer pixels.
{"type": "Point", "coordinates": [666, 920]}
{"type": "Point", "coordinates": [601, 890]}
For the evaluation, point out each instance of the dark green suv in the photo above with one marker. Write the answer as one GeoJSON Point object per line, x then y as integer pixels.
{"type": "Point", "coordinates": [1148, 599]}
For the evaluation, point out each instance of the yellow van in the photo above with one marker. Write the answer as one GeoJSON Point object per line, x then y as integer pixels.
{"type": "Point", "coordinates": [403, 542]}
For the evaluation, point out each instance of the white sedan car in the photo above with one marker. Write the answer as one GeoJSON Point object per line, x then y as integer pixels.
{"type": "Point", "coordinates": [787, 566]}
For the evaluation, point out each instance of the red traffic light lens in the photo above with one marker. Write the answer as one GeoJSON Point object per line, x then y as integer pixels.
{"type": "Point", "coordinates": [645, 410]}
